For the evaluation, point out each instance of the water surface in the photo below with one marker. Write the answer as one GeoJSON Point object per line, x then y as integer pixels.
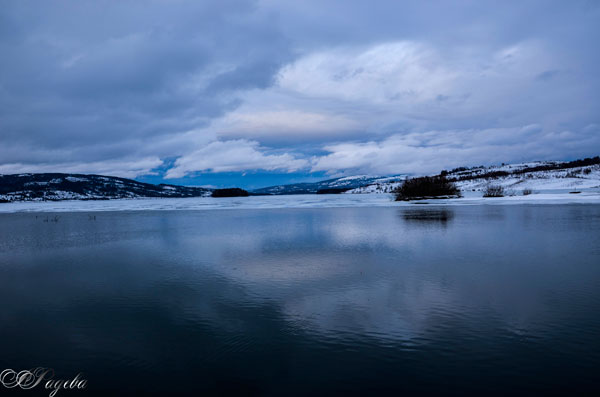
{"type": "Point", "coordinates": [416, 299]}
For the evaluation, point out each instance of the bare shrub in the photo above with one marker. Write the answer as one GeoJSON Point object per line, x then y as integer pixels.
{"type": "Point", "coordinates": [493, 191]}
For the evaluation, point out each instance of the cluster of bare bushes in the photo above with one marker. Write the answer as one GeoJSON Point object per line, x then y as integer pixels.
{"type": "Point", "coordinates": [426, 187]}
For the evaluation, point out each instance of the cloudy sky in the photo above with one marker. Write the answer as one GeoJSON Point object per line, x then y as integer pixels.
{"type": "Point", "coordinates": [253, 93]}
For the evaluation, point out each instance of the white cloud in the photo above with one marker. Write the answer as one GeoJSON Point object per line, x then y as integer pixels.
{"type": "Point", "coordinates": [279, 123]}
{"type": "Point", "coordinates": [400, 86]}
{"type": "Point", "coordinates": [122, 168]}
{"type": "Point", "coordinates": [233, 155]}
{"type": "Point", "coordinates": [435, 88]}
{"type": "Point", "coordinates": [407, 106]}
{"type": "Point", "coordinates": [404, 71]}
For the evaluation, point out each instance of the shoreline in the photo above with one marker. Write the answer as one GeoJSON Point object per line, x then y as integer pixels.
{"type": "Point", "coordinates": [292, 201]}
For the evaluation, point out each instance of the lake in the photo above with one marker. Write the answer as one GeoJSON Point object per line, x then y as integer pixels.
{"type": "Point", "coordinates": [413, 299]}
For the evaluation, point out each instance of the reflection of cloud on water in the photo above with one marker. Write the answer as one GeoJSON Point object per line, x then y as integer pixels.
{"type": "Point", "coordinates": [290, 268]}
{"type": "Point", "coordinates": [371, 272]}
{"type": "Point", "coordinates": [385, 309]}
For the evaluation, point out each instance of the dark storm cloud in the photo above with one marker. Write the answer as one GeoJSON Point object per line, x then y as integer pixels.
{"type": "Point", "coordinates": [96, 80]}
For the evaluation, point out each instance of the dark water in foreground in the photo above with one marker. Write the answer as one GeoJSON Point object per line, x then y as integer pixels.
{"type": "Point", "coordinates": [481, 299]}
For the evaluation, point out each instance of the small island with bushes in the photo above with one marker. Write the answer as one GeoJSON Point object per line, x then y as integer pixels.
{"type": "Point", "coordinates": [333, 190]}
{"type": "Point", "coordinates": [231, 192]}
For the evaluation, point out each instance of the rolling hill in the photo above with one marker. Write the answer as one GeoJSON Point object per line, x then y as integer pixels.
{"type": "Point", "coordinates": [54, 187]}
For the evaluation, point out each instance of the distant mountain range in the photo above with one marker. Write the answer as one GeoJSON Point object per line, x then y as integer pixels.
{"type": "Point", "coordinates": [55, 187]}
{"type": "Point", "coordinates": [336, 185]}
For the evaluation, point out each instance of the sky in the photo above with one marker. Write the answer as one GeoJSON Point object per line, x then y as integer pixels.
{"type": "Point", "coordinates": [254, 93]}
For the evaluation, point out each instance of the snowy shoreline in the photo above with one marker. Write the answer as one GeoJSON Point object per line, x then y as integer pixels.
{"type": "Point", "coordinates": [586, 196]}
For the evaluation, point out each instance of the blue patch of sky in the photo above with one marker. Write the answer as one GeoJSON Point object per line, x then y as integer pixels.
{"type": "Point", "coordinates": [246, 180]}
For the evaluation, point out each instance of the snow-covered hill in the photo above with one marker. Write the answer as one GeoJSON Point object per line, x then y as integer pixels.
{"type": "Point", "coordinates": [380, 185]}
{"type": "Point", "coordinates": [55, 187]}
{"type": "Point", "coordinates": [532, 177]}
{"type": "Point", "coordinates": [573, 179]}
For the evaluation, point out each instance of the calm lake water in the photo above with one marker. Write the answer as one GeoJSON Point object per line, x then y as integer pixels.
{"type": "Point", "coordinates": [417, 299]}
